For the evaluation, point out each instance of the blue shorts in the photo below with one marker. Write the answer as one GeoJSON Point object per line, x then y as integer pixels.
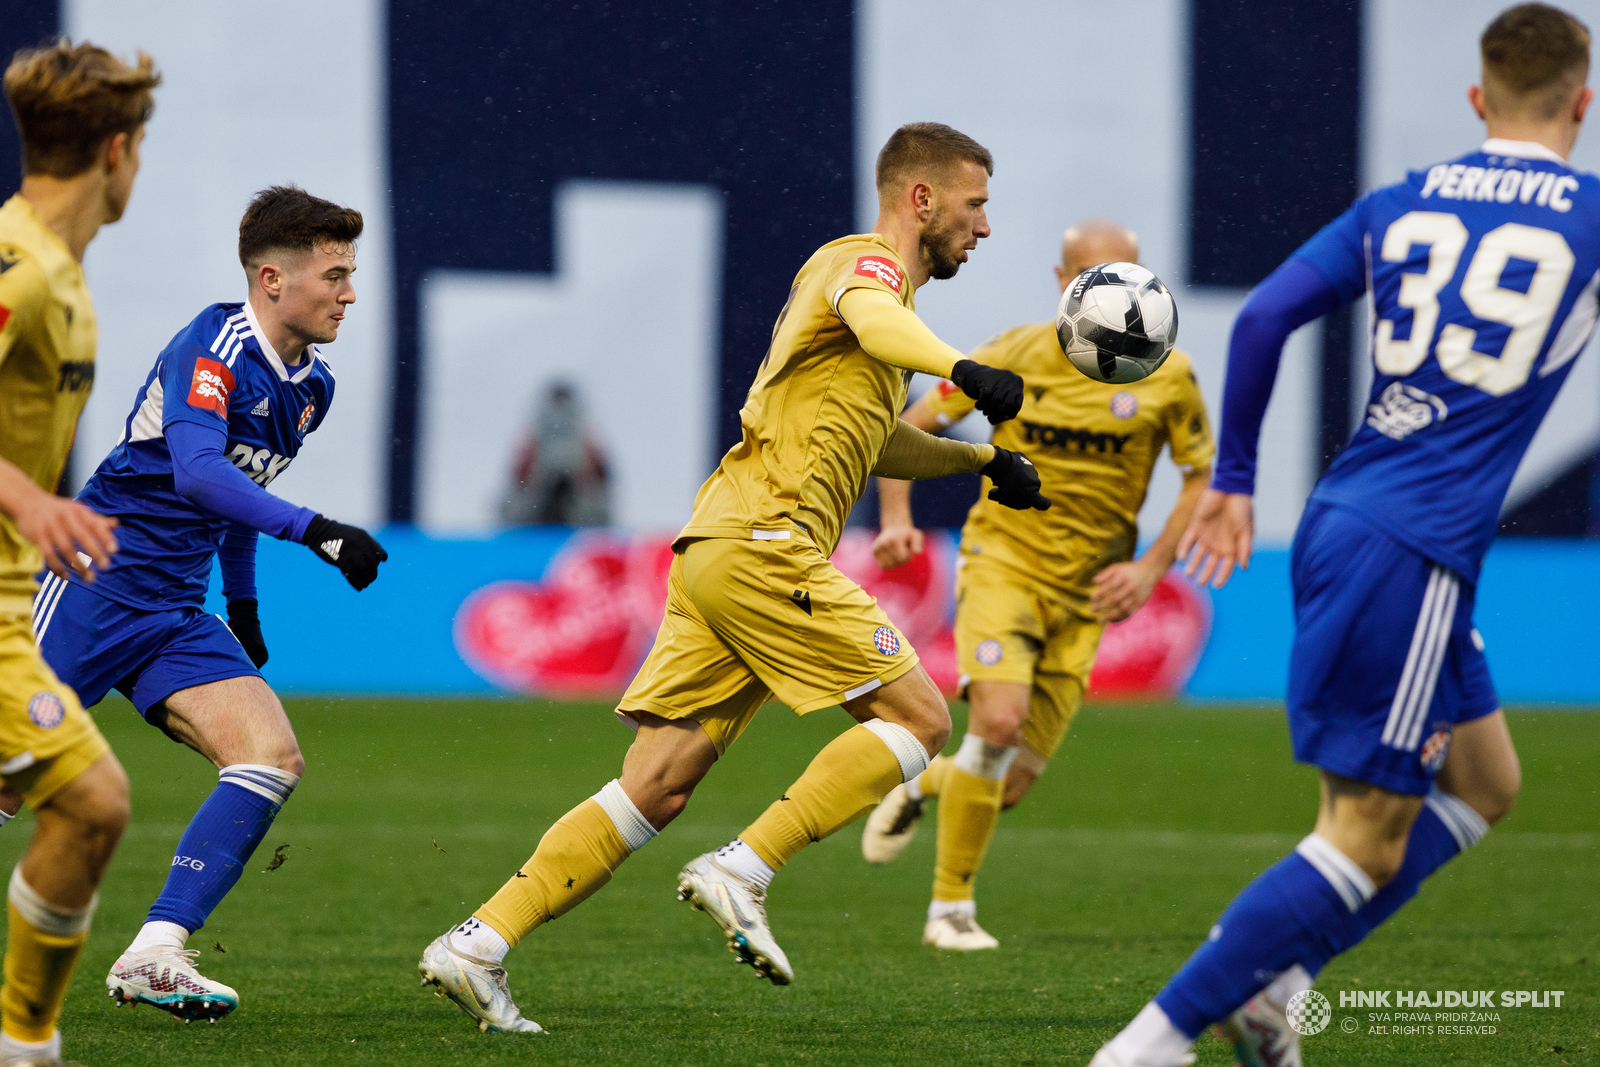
{"type": "Point", "coordinates": [1386, 660]}
{"type": "Point", "coordinates": [95, 645]}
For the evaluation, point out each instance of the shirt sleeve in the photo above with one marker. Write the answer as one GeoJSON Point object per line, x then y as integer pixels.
{"type": "Point", "coordinates": [1188, 428]}
{"type": "Point", "coordinates": [237, 557]}
{"type": "Point", "coordinates": [23, 291]}
{"type": "Point", "coordinates": [1339, 252]}
{"type": "Point", "coordinates": [1293, 295]}
{"type": "Point", "coordinates": [860, 268]}
{"type": "Point", "coordinates": [203, 476]}
{"type": "Point", "coordinates": [196, 387]}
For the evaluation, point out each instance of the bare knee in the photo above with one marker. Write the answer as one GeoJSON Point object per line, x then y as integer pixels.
{"type": "Point", "coordinates": [96, 805]}
{"type": "Point", "coordinates": [291, 761]}
{"type": "Point", "coordinates": [664, 764]}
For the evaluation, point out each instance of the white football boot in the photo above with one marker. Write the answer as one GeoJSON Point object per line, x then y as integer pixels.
{"type": "Point", "coordinates": [959, 932]}
{"type": "Point", "coordinates": [741, 910]}
{"type": "Point", "coordinates": [1261, 1035]}
{"type": "Point", "coordinates": [891, 826]}
{"type": "Point", "coordinates": [477, 986]}
{"type": "Point", "coordinates": [167, 979]}
{"type": "Point", "coordinates": [1104, 1058]}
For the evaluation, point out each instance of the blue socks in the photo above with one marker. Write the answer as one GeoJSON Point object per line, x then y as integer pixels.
{"type": "Point", "coordinates": [1446, 827]}
{"type": "Point", "coordinates": [1286, 915]}
{"type": "Point", "coordinates": [219, 842]}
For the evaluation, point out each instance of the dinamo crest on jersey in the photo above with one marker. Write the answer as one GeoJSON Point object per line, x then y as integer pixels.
{"type": "Point", "coordinates": [305, 418]}
{"type": "Point", "coordinates": [1434, 750]}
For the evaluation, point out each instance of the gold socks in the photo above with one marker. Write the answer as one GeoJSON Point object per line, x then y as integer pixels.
{"type": "Point", "coordinates": [845, 780]}
{"type": "Point", "coordinates": [43, 942]}
{"type": "Point", "coordinates": [971, 787]}
{"type": "Point", "coordinates": [574, 859]}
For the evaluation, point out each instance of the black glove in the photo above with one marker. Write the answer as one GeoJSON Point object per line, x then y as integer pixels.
{"type": "Point", "coordinates": [1016, 481]}
{"type": "Point", "coordinates": [246, 626]}
{"type": "Point", "coordinates": [998, 392]}
{"type": "Point", "coordinates": [349, 548]}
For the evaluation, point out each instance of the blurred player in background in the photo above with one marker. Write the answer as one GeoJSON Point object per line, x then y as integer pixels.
{"type": "Point", "coordinates": [755, 609]}
{"type": "Point", "coordinates": [81, 114]}
{"type": "Point", "coordinates": [223, 412]}
{"type": "Point", "coordinates": [1035, 589]}
{"type": "Point", "coordinates": [1484, 272]}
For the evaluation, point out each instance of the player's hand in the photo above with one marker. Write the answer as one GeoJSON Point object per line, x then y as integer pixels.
{"type": "Point", "coordinates": [1219, 537]}
{"type": "Point", "coordinates": [998, 392]}
{"type": "Point", "coordinates": [350, 548]}
{"type": "Point", "coordinates": [245, 623]}
{"type": "Point", "coordinates": [1016, 481]}
{"type": "Point", "coordinates": [895, 545]}
{"type": "Point", "coordinates": [62, 528]}
{"type": "Point", "coordinates": [1122, 588]}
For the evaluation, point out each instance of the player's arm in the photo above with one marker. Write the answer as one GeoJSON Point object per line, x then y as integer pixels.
{"type": "Point", "coordinates": [1122, 588]}
{"type": "Point", "coordinates": [237, 557]}
{"type": "Point", "coordinates": [891, 332]}
{"type": "Point", "coordinates": [59, 528]}
{"type": "Point", "coordinates": [1327, 272]}
{"type": "Point", "coordinates": [196, 430]}
{"type": "Point", "coordinates": [916, 454]}
{"type": "Point", "coordinates": [898, 539]}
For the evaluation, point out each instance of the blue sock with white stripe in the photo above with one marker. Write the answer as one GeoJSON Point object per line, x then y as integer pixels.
{"type": "Point", "coordinates": [220, 839]}
{"type": "Point", "coordinates": [1287, 914]}
{"type": "Point", "coordinates": [1446, 827]}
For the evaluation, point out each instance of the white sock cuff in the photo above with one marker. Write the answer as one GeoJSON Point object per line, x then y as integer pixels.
{"type": "Point", "coordinates": [45, 916]}
{"type": "Point", "coordinates": [271, 782]}
{"type": "Point", "coordinates": [1342, 872]}
{"type": "Point", "coordinates": [1295, 980]}
{"type": "Point", "coordinates": [636, 831]}
{"type": "Point", "coordinates": [1464, 824]}
{"type": "Point", "coordinates": [938, 909]}
{"type": "Point", "coordinates": [984, 759]}
{"type": "Point", "coordinates": [903, 743]}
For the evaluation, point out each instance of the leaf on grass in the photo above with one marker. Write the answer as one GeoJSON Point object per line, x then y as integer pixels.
{"type": "Point", "coordinates": [217, 945]}
{"type": "Point", "coordinates": [436, 844]}
{"type": "Point", "coordinates": [280, 856]}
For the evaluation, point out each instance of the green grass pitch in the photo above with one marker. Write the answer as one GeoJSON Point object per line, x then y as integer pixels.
{"type": "Point", "coordinates": [412, 812]}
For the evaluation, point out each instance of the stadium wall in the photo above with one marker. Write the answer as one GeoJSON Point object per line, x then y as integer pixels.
{"type": "Point", "coordinates": [1535, 610]}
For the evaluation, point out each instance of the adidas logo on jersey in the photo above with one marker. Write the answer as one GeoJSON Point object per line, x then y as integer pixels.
{"type": "Point", "coordinates": [261, 408]}
{"type": "Point", "coordinates": [331, 548]}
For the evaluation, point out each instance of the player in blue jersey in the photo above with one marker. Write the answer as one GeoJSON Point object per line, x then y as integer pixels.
{"type": "Point", "coordinates": [1483, 272]}
{"type": "Point", "coordinates": [223, 412]}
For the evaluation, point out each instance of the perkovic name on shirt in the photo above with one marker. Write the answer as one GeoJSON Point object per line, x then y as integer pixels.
{"type": "Point", "coordinates": [1457, 181]}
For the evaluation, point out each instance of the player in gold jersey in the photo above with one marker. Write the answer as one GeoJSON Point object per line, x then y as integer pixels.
{"type": "Point", "coordinates": [1035, 590]}
{"type": "Point", "coordinates": [754, 608]}
{"type": "Point", "coordinates": [81, 113]}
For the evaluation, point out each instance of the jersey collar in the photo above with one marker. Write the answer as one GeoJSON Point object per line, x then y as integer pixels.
{"type": "Point", "coordinates": [1500, 146]}
{"type": "Point", "coordinates": [271, 354]}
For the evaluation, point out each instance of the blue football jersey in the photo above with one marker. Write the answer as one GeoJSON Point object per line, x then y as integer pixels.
{"type": "Point", "coordinates": [1483, 273]}
{"type": "Point", "coordinates": [219, 371]}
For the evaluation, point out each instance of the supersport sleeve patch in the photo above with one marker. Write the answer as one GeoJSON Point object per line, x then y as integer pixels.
{"type": "Point", "coordinates": [211, 386]}
{"type": "Point", "coordinates": [883, 270]}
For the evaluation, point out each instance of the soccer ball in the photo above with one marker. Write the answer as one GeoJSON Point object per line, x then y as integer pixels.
{"type": "Point", "coordinates": [1117, 322]}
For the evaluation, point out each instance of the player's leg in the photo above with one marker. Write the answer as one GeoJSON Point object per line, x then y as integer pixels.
{"type": "Point", "coordinates": [688, 668]}
{"type": "Point", "coordinates": [57, 760]}
{"type": "Point", "coordinates": [202, 691]}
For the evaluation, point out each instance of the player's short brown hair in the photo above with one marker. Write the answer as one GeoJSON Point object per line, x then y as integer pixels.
{"type": "Point", "coordinates": [287, 218]}
{"type": "Point", "coordinates": [927, 149]}
{"type": "Point", "coordinates": [1534, 56]}
{"type": "Point", "coordinates": [69, 99]}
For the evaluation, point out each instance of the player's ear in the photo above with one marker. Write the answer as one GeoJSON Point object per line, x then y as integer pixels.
{"type": "Point", "coordinates": [922, 200]}
{"type": "Point", "coordinates": [116, 152]}
{"type": "Point", "coordinates": [1475, 98]}
{"type": "Point", "coordinates": [1580, 106]}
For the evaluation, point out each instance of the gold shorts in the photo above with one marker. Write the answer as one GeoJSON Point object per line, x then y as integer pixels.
{"type": "Point", "coordinates": [46, 738]}
{"type": "Point", "coordinates": [749, 620]}
{"type": "Point", "coordinates": [1010, 629]}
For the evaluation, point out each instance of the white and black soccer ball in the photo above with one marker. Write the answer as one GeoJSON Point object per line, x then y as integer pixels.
{"type": "Point", "coordinates": [1117, 323]}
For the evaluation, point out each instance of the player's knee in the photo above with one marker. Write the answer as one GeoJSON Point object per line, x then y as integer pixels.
{"type": "Point", "coordinates": [1495, 798]}
{"type": "Point", "coordinates": [292, 762]}
{"type": "Point", "coordinates": [101, 805]}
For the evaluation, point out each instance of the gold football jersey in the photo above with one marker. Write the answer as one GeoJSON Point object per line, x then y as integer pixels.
{"type": "Point", "coordinates": [47, 343]}
{"type": "Point", "coordinates": [819, 413]}
{"type": "Point", "coordinates": [1095, 446]}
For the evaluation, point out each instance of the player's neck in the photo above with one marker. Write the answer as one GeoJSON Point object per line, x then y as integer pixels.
{"type": "Point", "coordinates": [291, 349]}
{"type": "Point", "coordinates": [73, 208]}
{"type": "Point", "coordinates": [900, 234]}
{"type": "Point", "coordinates": [1558, 135]}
